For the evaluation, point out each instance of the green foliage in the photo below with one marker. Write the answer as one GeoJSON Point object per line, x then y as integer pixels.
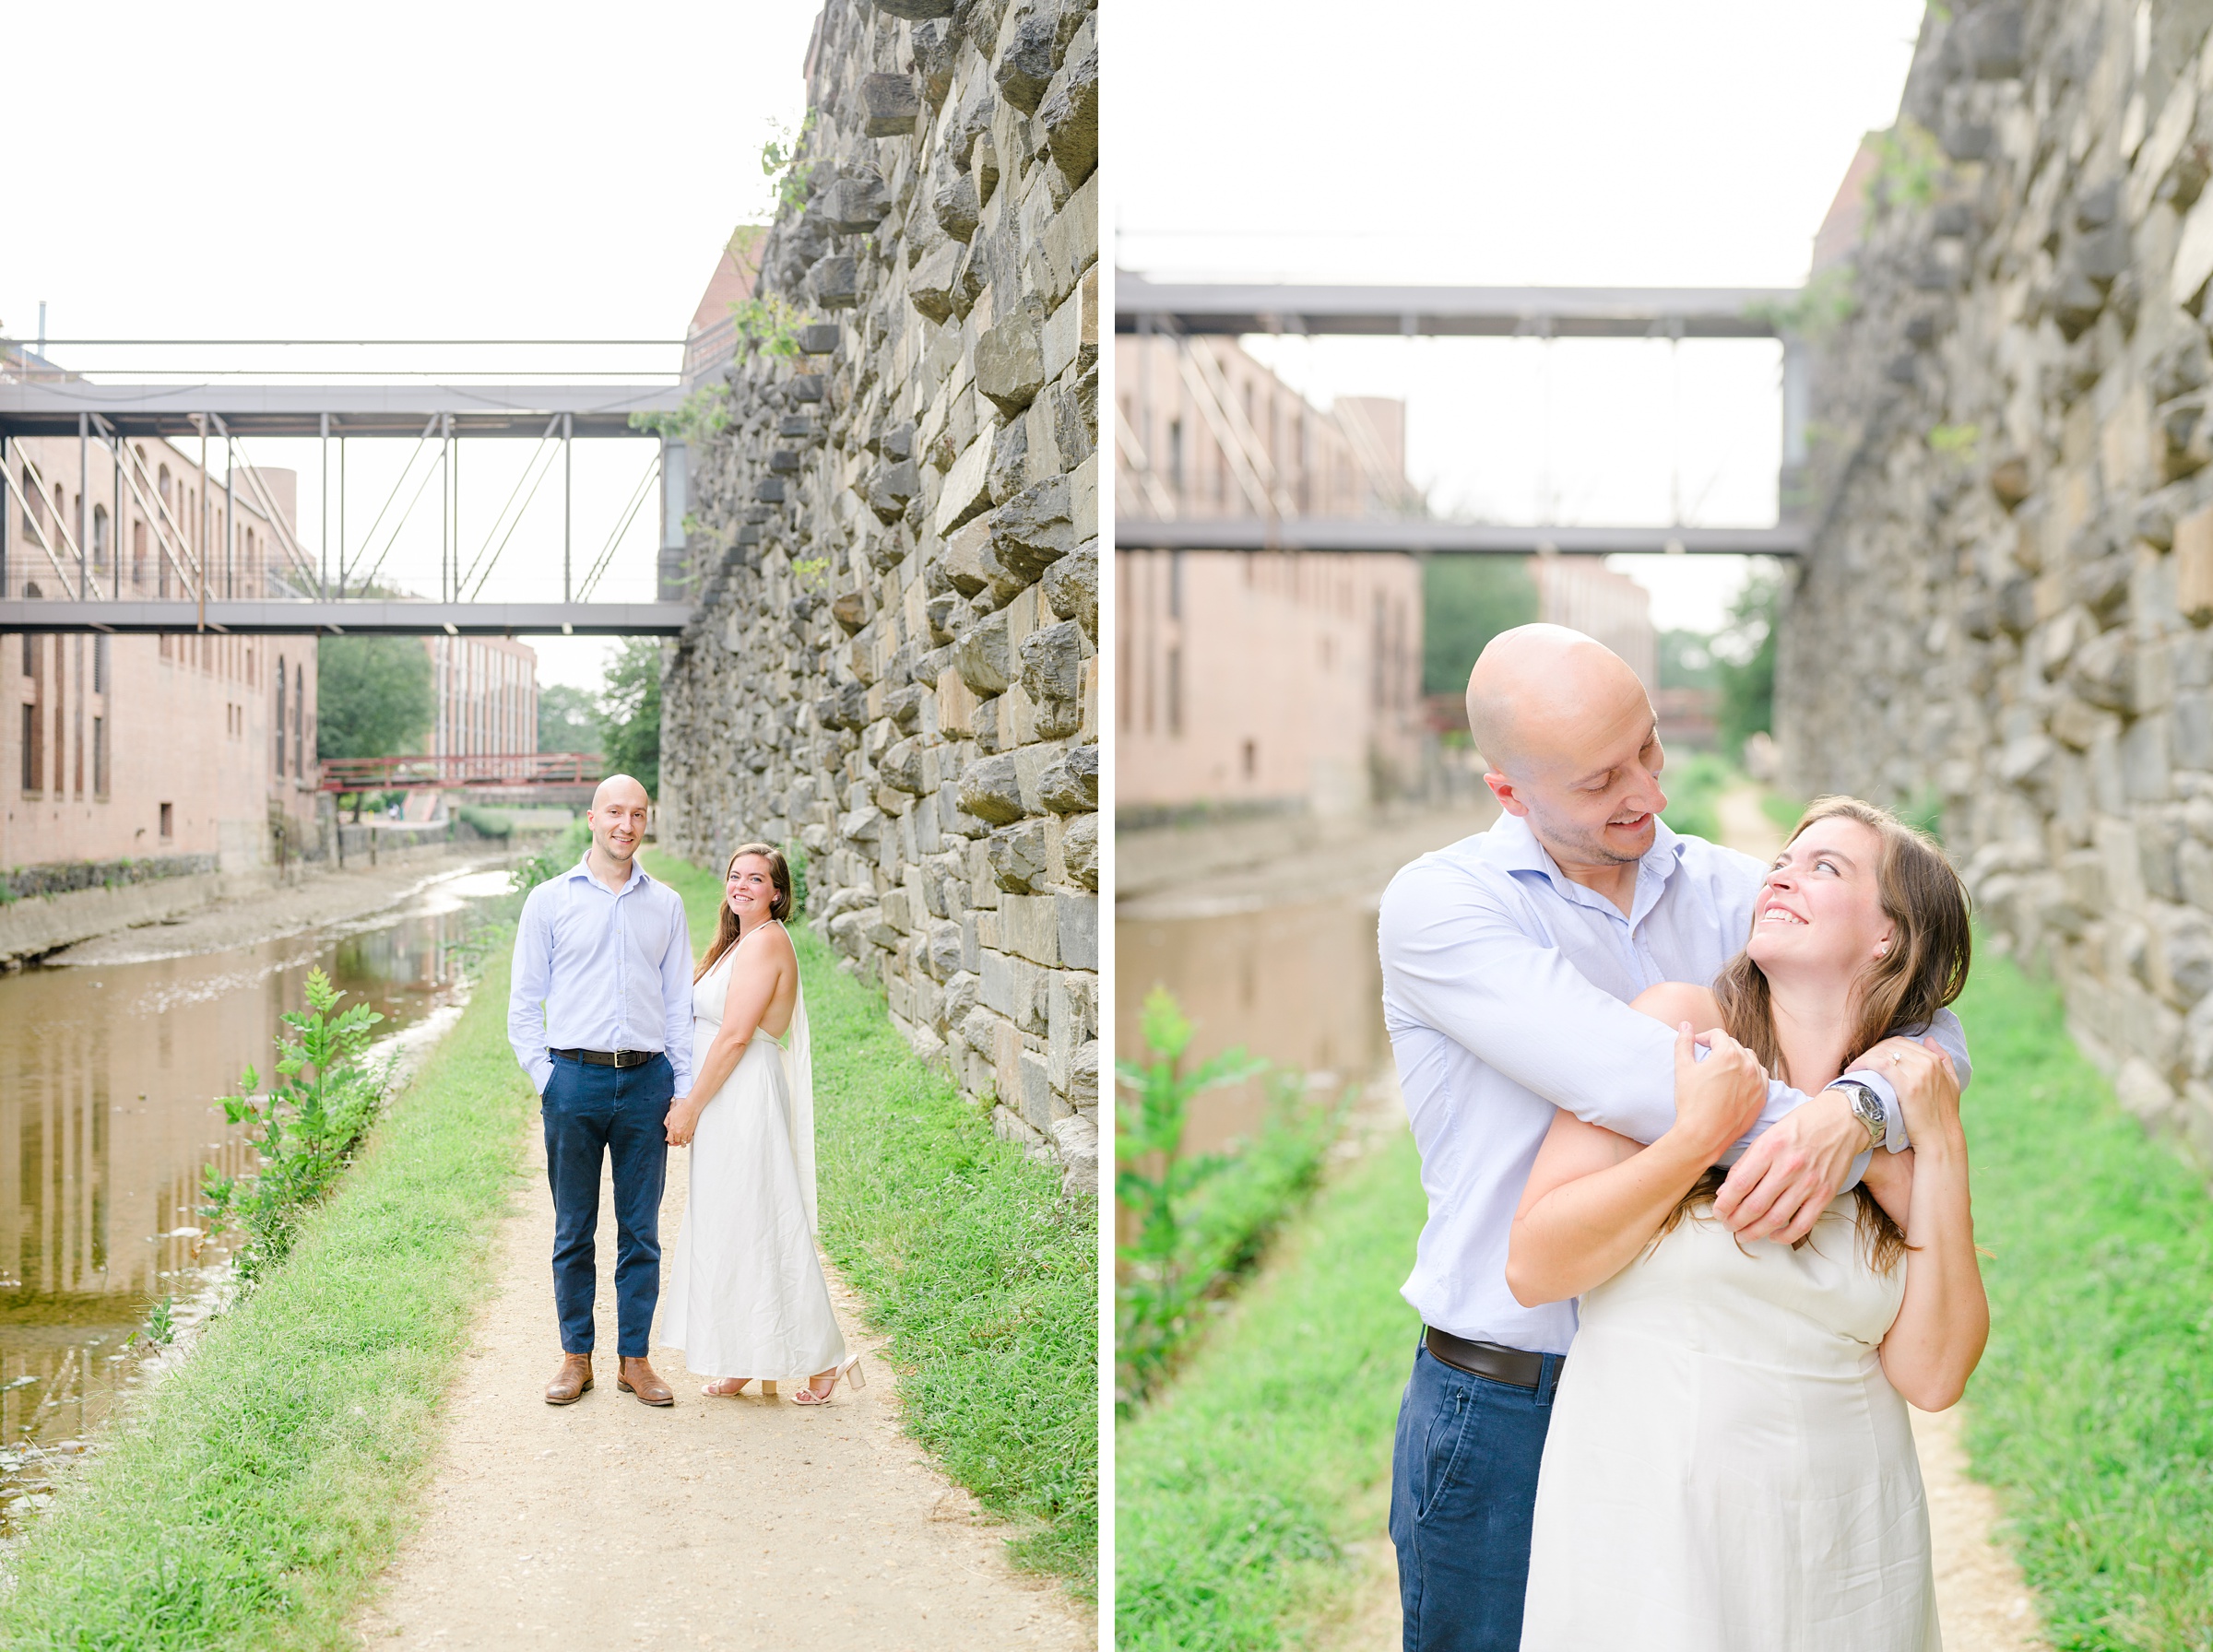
{"type": "Point", "coordinates": [795, 861]}
{"type": "Point", "coordinates": [263, 1485]}
{"type": "Point", "coordinates": [568, 719]}
{"type": "Point", "coordinates": [1686, 660]}
{"type": "Point", "coordinates": [1924, 811]}
{"type": "Point", "coordinates": [966, 1256]}
{"type": "Point", "coordinates": [1955, 442]}
{"type": "Point", "coordinates": [162, 1321]}
{"type": "Point", "coordinates": [1785, 812]}
{"type": "Point", "coordinates": [1745, 649]}
{"type": "Point", "coordinates": [1815, 313]}
{"type": "Point", "coordinates": [630, 713]}
{"type": "Point", "coordinates": [769, 324]}
{"type": "Point", "coordinates": [1247, 1488]}
{"type": "Point", "coordinates": [542, 866]}
{"type": "Point", "coordinates": [485, 822]}
{"type": "Point", "coordinates": [374, 696]}
{"type": "Point", "coordinates": [305, 1130]}
{"type": "Point", "coordinates": [1202, 1218]}
{"type": "Point", "coordinates": [2092, 1411]}
{"type": "Point", "coordinates": [813, 574]}
{"type": "Point", "coordinates": [1693, 782]}
{"type": "Point", "coordinates": [1466, 601]}
{"type": "Point", "coordinates": [780, 164]}
{"type": "Point", "coordinates": [706, 412]}
{"type": "Point", "coordinates": [1909, 165]}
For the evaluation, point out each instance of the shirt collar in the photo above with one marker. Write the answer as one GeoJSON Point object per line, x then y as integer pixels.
{"type": "Point", "coordinates": [582, 869]}
{"type": "Point", "coordinates": [1518, 851]}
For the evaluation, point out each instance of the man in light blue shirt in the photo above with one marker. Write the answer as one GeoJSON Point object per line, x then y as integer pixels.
{"type": "Point", "coordinates": [600, 1013]}
{"type": "Point", "coordinates": [1509, 961]}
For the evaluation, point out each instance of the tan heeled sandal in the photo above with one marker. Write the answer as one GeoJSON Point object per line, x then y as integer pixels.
{"type": "Point", "coordinates": [851, 1367]}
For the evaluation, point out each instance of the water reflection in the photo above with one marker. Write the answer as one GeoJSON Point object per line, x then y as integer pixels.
{"type": "Point", "coordinates": [1297, 985]}
{"type": "Point", "coordinates": [108, 1078]}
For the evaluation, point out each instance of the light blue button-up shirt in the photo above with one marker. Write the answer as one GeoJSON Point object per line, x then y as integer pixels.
{"type": "Point", "coordinates": [601, 969]}
{"type": "Point", "coordinates": [1506, 989]}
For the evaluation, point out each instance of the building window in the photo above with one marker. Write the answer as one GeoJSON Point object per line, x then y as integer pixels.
{"type": "Point", "coordinates": [99, 758]}
{"type": "Point", "coordinates": [1175, 693]}
{"type": "Point", "coordinates": [100, 665]}
{"type": "Point", "coordinates": [30, 750]}
{"type": "Point", "coordinates": [99, 536]}
{"type": "Point", "coordinates": [168, 823]}
{"type": "Point", "coordinates": [1175, 456]}
{"type": "Point", "coordinates": [1252, 760]}
{"type": "Point", "coordinates": [283, 688]}
{"type": "Point", "coordinates": [299, 722]}
{"type": "Point", "coordinates": [139, 555]}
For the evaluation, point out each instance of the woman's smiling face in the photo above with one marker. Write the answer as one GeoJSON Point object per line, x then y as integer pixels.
{"type": "Point", "coordinates": [750, 889]}
{"type": "Point", "coordinates": [1820, 911]}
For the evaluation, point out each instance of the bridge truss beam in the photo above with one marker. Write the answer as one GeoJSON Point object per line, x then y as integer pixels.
{"type": "Point", "coordinates": [353, 617]}
{"type": "Point", "coordinates": [1422, 536]}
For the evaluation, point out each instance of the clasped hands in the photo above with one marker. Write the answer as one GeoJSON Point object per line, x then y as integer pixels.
{"type": "Point", "coordinates": [683, 1118]}
{"type": "Point", "coordinates": [1788, 1174]}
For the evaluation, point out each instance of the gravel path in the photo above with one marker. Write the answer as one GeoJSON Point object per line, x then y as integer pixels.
{"type": "Point", "coordinates": [722, 1523]}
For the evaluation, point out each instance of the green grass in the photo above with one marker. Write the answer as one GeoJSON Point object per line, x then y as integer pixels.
{"type": "Point", "coordinates": [1238, 1488]}
{"type": "Point", "coordinates": [1693, 783]}
{"type": "Point", "coordinates": [254, 1496]}
{"type": "Point", "coordinates": [984, 1279]}
{"type": "Point", "coordinates": [2093, 1409]}
{"type": "Point", "coordinates": [2092, 1413]}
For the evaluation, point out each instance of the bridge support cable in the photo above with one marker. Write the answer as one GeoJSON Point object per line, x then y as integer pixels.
{"type": "Point", "coordinates": [535, 472]}
{"type": "Point", "coordinates": [638, 497]}
{"type": "Point", "coordinates": [422, 446]}
{"type": "Point", "coordinates": [36, 520]}
{"type": "Point", "coordinates": [1248, 460]}
{"type": "Point", "coordinates": [170, 542]}
{"type": "Point", "coordinates": [1132, 453]}
{"type": "Point", "coordinates": [293, 549]}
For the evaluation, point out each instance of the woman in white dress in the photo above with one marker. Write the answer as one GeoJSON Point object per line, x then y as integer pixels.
{"type": "Point", "coordinates": [746, 1295]}
{"type": "Point", "coordinates": [1730, 1465]}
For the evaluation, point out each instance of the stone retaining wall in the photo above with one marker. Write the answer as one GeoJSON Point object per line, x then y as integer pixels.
{"type": "Point", "coordinates": [895, 541]}
{"type": "Point", "coordinates": [2005, 607]}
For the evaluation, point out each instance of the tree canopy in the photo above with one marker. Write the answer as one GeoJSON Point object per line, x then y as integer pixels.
{"type": "Point", "coordinates": [568, 719]}
{"type": "Point", "coordinates": [1466, 601]}
{"type": "Point", "coordinates": [630, 713]}
{"type": "Point", "coordinates": [374, 696]}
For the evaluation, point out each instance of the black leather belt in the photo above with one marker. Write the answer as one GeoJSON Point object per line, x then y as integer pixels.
{"type": "Point", "coordinates": [611, 1057]}
{"type": "Point", "coordinates": [1513, 1366]}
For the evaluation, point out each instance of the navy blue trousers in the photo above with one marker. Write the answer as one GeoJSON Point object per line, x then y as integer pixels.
{"type": "Point", "coordinates": [592, 1112]}
{"type": "Point", "coordinates": [1463, 1494]}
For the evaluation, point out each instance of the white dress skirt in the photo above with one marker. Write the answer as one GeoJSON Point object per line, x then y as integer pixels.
{"type": "Point", "coordinates": [746, 1296]}
{"type": "Point", "coordinates": [1727, 1469]}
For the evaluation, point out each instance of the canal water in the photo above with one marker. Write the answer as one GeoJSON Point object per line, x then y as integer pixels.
{"type": "Point", "coordinates": [109, 1077]}
{"type": "Point", "coordinates": [1297, 986]}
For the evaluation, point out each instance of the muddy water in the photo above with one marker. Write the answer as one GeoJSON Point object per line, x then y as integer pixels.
{"type": "Point", "coordinates": [108, 1082]}
{"type": "Point", "coordinates": [1297, 985]}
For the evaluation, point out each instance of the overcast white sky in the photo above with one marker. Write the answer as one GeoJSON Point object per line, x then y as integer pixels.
{"type": "Point", "coordinates": [1579, 143]}
{"type": "Point", "coordinates": [431, 171]}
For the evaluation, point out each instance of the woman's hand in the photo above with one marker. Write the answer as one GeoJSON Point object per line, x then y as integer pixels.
{"type": "Point", "coordinates": [1718, 1099]}
{"type": "Point", "coordinates": [684, 1119]}
{"type": "Point", "coordinates": [1928, 1085]}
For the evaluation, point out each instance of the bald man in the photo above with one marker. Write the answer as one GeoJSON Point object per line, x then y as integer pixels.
{"type": "Point", "coordinates": [600, 1014]}
{"type": "Point", "coordinates": [1509, 961]}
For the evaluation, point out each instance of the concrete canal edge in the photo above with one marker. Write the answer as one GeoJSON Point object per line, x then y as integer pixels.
{"type": "Point", "coordinates": [253, 1496]}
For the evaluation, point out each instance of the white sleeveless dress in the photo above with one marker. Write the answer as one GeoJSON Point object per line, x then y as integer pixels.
{"type": "Point", "coordinates": [746, 1295]}
{"type": "Point", "coordinates": [1728, 1469]}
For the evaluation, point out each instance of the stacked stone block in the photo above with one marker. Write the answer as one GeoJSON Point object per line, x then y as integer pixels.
{"type": "Point", "coordinates": [2005, 607]}
{"type": "Point", "coordinates": [894, 540]}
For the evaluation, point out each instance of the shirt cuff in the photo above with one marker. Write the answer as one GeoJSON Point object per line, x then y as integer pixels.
{"type": "Point", "coordinates": [541, 1073]}
{"type": "Point", "coordinates": [1894, 1116]}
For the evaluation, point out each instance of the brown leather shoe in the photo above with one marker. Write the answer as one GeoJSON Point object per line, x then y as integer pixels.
{"type": "Point", "coordinates": [571, 1381]}
{"type": "Point", "coordinates": [636, 1377]}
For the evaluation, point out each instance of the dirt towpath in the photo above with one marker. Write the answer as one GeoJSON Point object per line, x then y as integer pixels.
{"type": "Point", "coordinates": [722, 1523]}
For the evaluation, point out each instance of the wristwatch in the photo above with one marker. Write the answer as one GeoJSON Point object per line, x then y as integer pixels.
{"type": "Point", "coordinates": [1867, 1107]}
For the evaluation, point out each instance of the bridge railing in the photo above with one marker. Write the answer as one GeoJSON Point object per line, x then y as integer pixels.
{"type": "Point", "coordinates": [483, 771]}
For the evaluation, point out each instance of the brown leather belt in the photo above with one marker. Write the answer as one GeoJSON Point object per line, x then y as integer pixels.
{"type": "Point", "coordinates": [1512, 1367]}
{"type": "Point", "coordinates": [608, 1057]}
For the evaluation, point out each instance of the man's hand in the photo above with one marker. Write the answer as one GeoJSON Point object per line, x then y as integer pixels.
{"type": "Point", "coordinates": [683, 1118]}
{"type": "Point", "coordinates": [1787, 1176]}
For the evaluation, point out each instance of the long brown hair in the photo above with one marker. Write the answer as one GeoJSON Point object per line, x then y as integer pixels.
{"type": "Point", "coordinates": [1923, 971]}
{"type": "Point", "coordinates": [726, 922]}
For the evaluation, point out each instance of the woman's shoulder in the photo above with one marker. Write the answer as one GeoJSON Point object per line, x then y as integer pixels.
{"type": "Point", "coordinates": [769, 941]}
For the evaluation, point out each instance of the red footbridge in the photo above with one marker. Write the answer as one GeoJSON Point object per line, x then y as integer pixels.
{"type": "Point", "coordinates": [506, 771]}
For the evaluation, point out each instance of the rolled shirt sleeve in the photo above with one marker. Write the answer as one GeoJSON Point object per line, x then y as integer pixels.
{"type": "Point", "coordinates": [528, 983]}
{"type": "Point", "coordinates": [1952, 1037]}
